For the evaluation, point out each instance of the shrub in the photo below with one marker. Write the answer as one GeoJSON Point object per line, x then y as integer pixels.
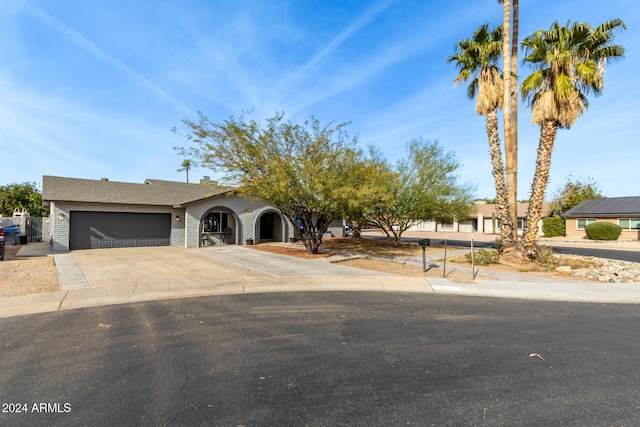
{"type": "Point", "coordinates": [553, 226]}
{"type": "Point", "coordinates": [498, 246]}
{"type": "Point", "coordinates": [600, 230]}
{"type": "Point", "coordinates": [545, 256]}
{"type": "Point", "coordinates": [484, 257]}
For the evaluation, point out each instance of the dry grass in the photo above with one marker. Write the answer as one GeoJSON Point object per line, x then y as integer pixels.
{"type": "Point", "coordinates": [26, 275]}
{"type": "Point", "coordinates": [407, 270]}
{"type": "Point", "coordinates": [368, 249]}
{"type": "Point", "coordinates": [372, 247]}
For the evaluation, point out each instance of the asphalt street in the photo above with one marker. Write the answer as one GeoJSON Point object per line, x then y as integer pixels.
{"type": "Point", "coordinates": [324, 359]}
{"type": "Point", "coordinates": [620, 255]}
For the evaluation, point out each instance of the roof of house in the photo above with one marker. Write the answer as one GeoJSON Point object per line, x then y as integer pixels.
{"type": "Point", "coordinates": [489, 209]}
{"type": "Point", "coordinates": [610, 207]}
{"type": "Point", "coordinates": [152, 192]}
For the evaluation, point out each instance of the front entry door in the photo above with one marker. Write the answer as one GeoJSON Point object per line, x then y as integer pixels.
{"type": "Point", "coordinates": [266, 226]}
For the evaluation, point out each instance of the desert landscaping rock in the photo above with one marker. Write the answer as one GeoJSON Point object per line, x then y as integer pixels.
{"type": "Point", "coordinates": [605, 270]}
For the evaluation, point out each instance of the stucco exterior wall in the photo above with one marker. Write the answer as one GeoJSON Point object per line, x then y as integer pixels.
{"type": "Point", "coordinates": [336, 228]}
{"type": "Point", "coordinates": [571, 229]}
{"type": "Point", "coordinates": [245, 213]}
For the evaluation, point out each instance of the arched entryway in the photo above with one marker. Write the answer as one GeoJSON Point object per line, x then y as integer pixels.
{"type": "Point", "coordinates": [270, 227]}
{"type": "Point", "coordinates": [218, 226]}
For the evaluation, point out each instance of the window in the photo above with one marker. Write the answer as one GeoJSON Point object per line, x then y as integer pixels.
{"type": "Point", "coordinates": [216, 222]}
{"type": "Point", "coordinates": [583, 222]}
{"type": "Point", "coordinates": [629, 223]}
{"type": "Point", "coordinates": [521, 223]}
{"type": "Point", "coordinates": [445, 224]}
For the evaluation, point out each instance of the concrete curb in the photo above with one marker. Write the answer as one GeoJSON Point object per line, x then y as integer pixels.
{"type": "Point", "coordinates": [127, 293]}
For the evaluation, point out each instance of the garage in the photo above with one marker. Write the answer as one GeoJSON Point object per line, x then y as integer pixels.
{"type": "Point", "coordinates": [94, 230]}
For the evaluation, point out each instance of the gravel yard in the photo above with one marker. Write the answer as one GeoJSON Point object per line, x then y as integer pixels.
{"type": "Point", "coordinates": [26, 275]}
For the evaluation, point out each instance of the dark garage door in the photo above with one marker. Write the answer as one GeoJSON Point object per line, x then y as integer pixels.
{"type": "Point", "coordinates": [91, 230]}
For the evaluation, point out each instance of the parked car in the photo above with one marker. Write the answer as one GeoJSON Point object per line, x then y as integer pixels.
{"type": "Point", "coordinates": [2, 243]}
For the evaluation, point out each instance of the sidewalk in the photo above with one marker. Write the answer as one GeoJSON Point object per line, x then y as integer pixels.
{"type": "Point", "coordinates": [77, 293]}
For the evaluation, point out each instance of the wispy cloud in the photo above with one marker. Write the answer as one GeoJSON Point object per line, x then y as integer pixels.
{"type": "Point", "coordinates": [90, 47]}
{"type": "Point", "coordinates": [349, 31]}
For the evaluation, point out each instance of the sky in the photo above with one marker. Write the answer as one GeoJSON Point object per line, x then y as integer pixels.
{"type": "Point", "coordinates": [92, 89]}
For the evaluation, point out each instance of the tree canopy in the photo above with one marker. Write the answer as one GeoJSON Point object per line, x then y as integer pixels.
{"type": "Point", "coordinates": [310, 172]}
{"type": "Point", "coordinates": [421, 187]}
{"type": "Point", "coordinates": [22, 196]}
{"type": "Point", "coordinates": [574, 192]}
{"type": "Point", "coordinates": [569, 63]}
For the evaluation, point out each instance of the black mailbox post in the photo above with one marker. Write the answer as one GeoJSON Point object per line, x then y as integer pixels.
{"type": "Point", "coordinates": [424, 243]}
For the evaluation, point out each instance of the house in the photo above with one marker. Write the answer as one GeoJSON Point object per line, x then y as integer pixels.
{"type": "Point", "coordinates": [483, 219]}
{"type": "Point", "coordinates": [88, 214]}
{"type": "Point", "coordinates": [623, 211]}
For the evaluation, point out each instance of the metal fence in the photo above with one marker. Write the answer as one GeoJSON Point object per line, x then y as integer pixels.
{"type": "Point", "coordinates": [33, 229]}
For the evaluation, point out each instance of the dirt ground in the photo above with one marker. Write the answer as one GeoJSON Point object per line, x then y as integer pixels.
{"type": "Point", "coordinates": [26, 275]}
{"type": "Point", "coordinates": [368, 248]}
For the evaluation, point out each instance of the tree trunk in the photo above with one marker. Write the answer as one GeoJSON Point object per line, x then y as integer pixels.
{"type": "Point", "coordinates": [311, 233]}
{"type": "Point", "coordinates": [548, 132]}
{"type": "Point", "coordinates": [356, 230]}
{"type": "Point", "coordinates": [512, 175]}
{"type": "Point", "coordinates": [510, 150]}
{"type": "Point", "coordinates": [506, 223]}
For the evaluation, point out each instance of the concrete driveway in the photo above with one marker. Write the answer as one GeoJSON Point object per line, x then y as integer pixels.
{"type": "Point", "coordinates": [177, 267]}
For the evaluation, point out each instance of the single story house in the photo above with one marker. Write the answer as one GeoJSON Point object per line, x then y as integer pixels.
{"type": "Point", "coordinates": [87, 214]}
{"type": "Point", "coordinates": [623, 211]}
{"type": "Point", "coordinates": [483, 219]}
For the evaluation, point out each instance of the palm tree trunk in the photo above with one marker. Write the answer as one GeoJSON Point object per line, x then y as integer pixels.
{"type": "Point", "coordinates": [506, 224]}
{"type": "Point", "coordinates": [512, 166]}
{"type": "Point", "coordinates": [548, 132]}
{"type": "Point", "coordinates": [512, 148]}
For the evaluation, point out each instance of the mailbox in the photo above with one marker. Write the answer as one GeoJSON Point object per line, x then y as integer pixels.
{"type": "Point", "coordinates": [425, 243]}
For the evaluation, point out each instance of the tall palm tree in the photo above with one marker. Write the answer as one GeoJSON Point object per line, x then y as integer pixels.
{"type": "Point", "coordinates": [186, 165]}
{"type": "Point", "coordinates": [476, 59]}
{"type": "Point", "coordinates": [569, 64]}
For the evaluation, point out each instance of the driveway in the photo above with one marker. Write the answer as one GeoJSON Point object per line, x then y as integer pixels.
{"type": "Point", "coordinates": [192, 267]}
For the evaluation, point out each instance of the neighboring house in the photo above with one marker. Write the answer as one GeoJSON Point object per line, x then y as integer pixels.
{"type": "Point", "coordinates": [89, 214]}
{"type": "Point", "coordinates": [483, 219]}
{"type": "Point", "coordinates": [623, 211]}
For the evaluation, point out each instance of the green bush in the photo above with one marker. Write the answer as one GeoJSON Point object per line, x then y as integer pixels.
{"type": "Point", "coordinates": [601, 230]}
{"type": "Point", "coordinates": [484, 257]}
{"type": "Point", "coordinates": [553, 226]}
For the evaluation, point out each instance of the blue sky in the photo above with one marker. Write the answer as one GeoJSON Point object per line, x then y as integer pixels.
{"type": "Point", "coordinates": [91, 89]}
